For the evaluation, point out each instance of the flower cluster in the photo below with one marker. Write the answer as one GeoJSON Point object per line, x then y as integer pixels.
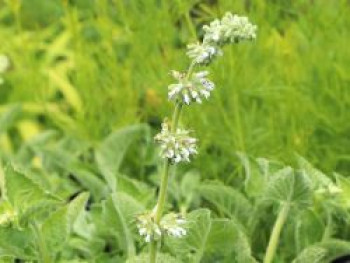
{"type": "Point", "coordinates": [171, 224]}
{"type": "Point", "coordinates": [4, 66]}
{"type": "Point", "coordinates": [148, 228]}
{"type": "Point", "coordinates": [230, 29]}
{"type": "Point", "coordinates": [190, 90]}
{"type": "Point", "coordinates": [176, 146]}
{"type": "Point", "coordinates": [202, 53]}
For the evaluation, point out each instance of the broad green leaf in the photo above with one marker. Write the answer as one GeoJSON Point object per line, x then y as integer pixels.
{"type": "Point", "coordinates": [69, 163]}
{"type": "Point", "coordinates": [77, 206]}
{"type": "Point", "coordinates": [323, 252]}
{"type": "Point", "coordinates": [227, 238]}
{"type": "Point", "coordinates": [227, 201]}
{"type": "Point", "coordinates": [308, 229]}
{"type": "Point", "coordinates": [208, 238]}
{"type": "Point", "coordinates": [110, 153]}
{"type": "Point", "coordinates": [311, 255]}
{"type": "Point", "coordinates": [135, 188]}
{"type": "Point", "coordinates": [189, 186]}
{"type": "Point", "coordinates": [317, 178]}
{"type": "Point", "coordinates": [22, 192]}
{"type": "Point", "coordinates": [16, 243]}
{"type": "Point", "coordinates": [289, 186]}
{"type": "Point", "coordinates": [257, 173]}
{"type": "Point", "coordinates": [192, 247]}
{"type": "Point", "coordinates": [56, 229]}
{"type": "Point", "coordinates": [120, 210]}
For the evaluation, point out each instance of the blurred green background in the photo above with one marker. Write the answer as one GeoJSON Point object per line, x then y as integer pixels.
{"type": "Point", "coordinates": [87, 68]}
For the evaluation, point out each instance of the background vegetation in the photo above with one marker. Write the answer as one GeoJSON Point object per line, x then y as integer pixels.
{"type": "Point", "coordinates": [83, 70]}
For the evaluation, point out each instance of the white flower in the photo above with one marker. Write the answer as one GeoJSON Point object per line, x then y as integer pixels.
{"type": "Point", "coordinates": [237, 28]}
{"type": "Point", "coordinates": [191, 90]}
{"type": "Point", "coordinates": [148, 228]}
{"type": "Point", "coordinates": [176, 146]}
{"type": "Point", "coordinates": [173, 225]}
{"type": "Point", "coordinates": [202, 53]}
{"type": "Point", "coordinates": [4, 63]}
{"type": "Point", "coordinates": [213, 32]}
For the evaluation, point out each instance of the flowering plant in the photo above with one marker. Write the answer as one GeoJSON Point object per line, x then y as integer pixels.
{"type": "Point", "coordinates": [176, 143]}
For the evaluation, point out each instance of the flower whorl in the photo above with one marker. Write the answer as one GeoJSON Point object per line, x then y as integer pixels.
{"type": "Point", "coordinates": [190, 90]}
{"type": "Point", "coordinates": [176, 146]}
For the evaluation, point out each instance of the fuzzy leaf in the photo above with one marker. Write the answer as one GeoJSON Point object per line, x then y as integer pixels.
{"type": "Point", "coordinates": [110, 154]}
{"type": "Point", "coordinates": [323, 252]}
{"type": "Point", "coordinates": [57, 227]}
{"type": "Point", "coordinates": [22, 192]}
{"type": "Point", "coordinates": [192, 247]}
{"type": "Point", "coordinates": [317, 178]}
{"type": "Point", "coordinates": [288, 186]}
{"type": "Point", "coordinates": [16, 243]}
{"type": "Point", "coordinates": [119, 215]}
{"type": "Point", "coordinates": [227, 201]}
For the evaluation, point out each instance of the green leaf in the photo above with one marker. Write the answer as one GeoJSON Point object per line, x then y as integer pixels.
{"type": "Point", "coordinates": [68, 162]}
{"type": "Point", "coordinates": [211, 238]}
{"type": "Point", "coordinates": [257, 173]}
{"type": "Point", "coordinates": [289, 186]}
{"type": "Point", "coordinates": [8, 118]}
{"type": "Point", "coordinates": [227, 237]}
{"type": "Point", "coordinates": [22, 192]}
{"type": "Point", "coordinates": [311, 255]}
{"type": "Point", "coordinates": [57, 227]}
{"type": "Point", "coordinates": [228, 201]}
{"type": "Point", "coordinates": [109, 155]}
{"type": "Point", "coordinates": [120, 211]}
{"type": "Point", "coordinates": [16, 243]}
{"type": "Point", "coordinates": [161, 258]}
{"type": "Point", "coordinates": [192, 247]}
{"type": "Point", "coordinates": [55, 230]}
{"type": "Point", "coordinates": [77, 206]}
{"type": "Point", "coordinates": [317, 178]}
{"type": "Point", "coordinates": [323, 252]}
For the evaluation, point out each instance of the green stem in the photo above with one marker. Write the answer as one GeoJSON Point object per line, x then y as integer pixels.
{"type": "Point", "coordinates": [153, 252]}
{"type": "Point", "coordinates": [164, 184]}
{"type": "Point", "coordinates": [165, 177]}
{"type": "Point", "coordinates": [276, 232]}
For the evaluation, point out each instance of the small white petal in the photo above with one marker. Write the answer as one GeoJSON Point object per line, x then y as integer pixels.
{"type": "Point", "coordinates": [187, 99]}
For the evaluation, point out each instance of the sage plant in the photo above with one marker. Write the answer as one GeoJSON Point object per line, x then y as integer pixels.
{"type": "Point", "coordinates": [176, 143]}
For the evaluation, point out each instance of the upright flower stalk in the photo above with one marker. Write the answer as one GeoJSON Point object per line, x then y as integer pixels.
{"type": "Point", "coordinates": [176, 143]}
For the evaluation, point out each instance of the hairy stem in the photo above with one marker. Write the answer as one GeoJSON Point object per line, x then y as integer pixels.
{"type": "Point", "coordinates": [153, 252]}
{"type": "Point", "coordinates": [276, 232]}
{"type": "Point", "coordinates": [164, 184]}
{"type": "Point", "coordinates": [165, 176]}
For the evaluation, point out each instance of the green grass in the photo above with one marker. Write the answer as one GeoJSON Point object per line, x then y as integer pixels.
{"type": "Point", "coordinates": [286, 93]}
